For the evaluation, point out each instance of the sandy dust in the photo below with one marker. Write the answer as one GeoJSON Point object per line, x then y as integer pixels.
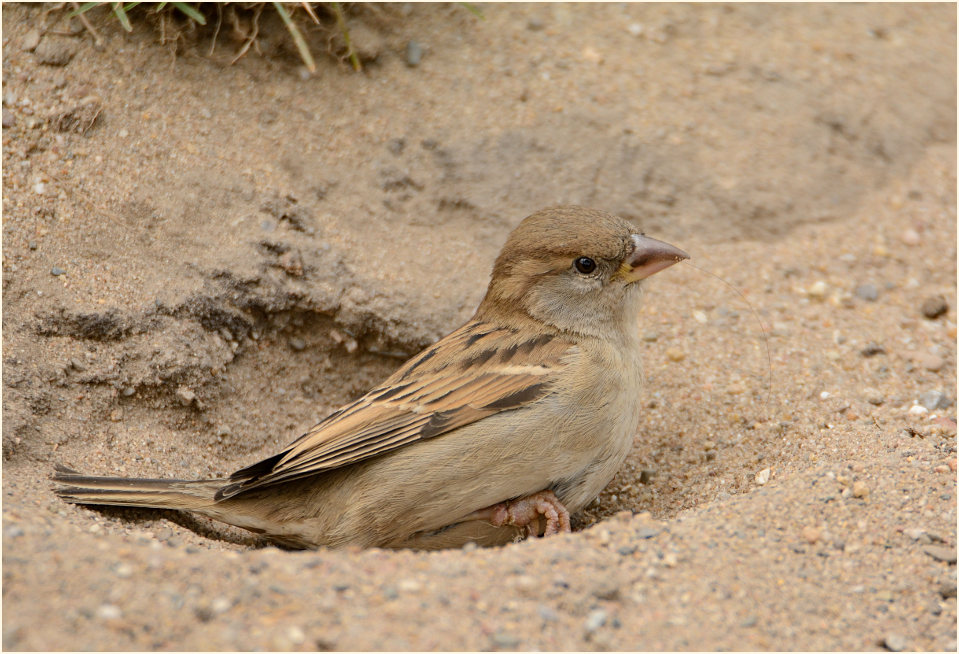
{"type": "Point", "coordinates": [201, 260]}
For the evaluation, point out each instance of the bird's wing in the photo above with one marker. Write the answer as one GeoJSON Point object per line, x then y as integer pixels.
{"type": "Point", "coordinates": [477, 371]}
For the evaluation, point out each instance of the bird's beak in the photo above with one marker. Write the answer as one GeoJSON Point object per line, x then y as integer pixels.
{"type": "Point", "coordinates": [648, 257]}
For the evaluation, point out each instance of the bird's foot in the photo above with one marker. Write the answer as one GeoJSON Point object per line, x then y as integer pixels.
{"type": "Point", "coordinates": [525, 512]}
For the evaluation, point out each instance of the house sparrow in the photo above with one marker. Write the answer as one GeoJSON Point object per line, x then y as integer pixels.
{"type": "Point", "coordinates": [501, 429]}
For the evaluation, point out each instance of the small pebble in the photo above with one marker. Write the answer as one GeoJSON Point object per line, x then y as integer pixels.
{"type": "Point", "coordinates": [674, 354]}
{"type": "Point", "coordinates": [867, 292]}
{"type": "Point", "coordinates": [124, 570]}
{"type": "Point", "coordinates": [700, 316]}
{"type": "Point", "coordinates": [297, 344]}
{"type": "Point", "coordinates": [220, 605]}
{"type": "Point", "coordinates": [934, 306]}
{"type": "Point", "coordinates": [811, 534]}
{"type": "Point", "coordinates": [30, 40]}
{"type": "Point", "coordinates": [592, 55]}
{"type": "Point", "coordinates": [186, 395]}
{"type": "Point", "coordinates": [414, 53]}
{"type": "Point", "coordinates": [929, 361]}
{"type": "Point", "coordinates": [947, 589]}
{"type": "Point", "coordinates": [595, 620]}
{"type": "Point", "coordinates": [817, 290]}
{"type": "Point", "coordinates": [933, 400]}
{"type": "Point", "coordinates": [940, 553]}
{"type": "Point", "coordinates": [894, 642]}
{"type": "Point", "coordinates": [108, 612]}
{"type": "Point", "coordinates": [646, 532]}
{"type": "Point", "coordinates": [646, 475]}
{"type": "Point", "coordinates": [548, 614]}
{"type": "Point", "coordinates": [295, 635]}
{"type": "Point", "coordinates": [535, 24]}
{"type": "Point", "coordinates": [39, 188]}
{"type": "Point", "coordinates": [650, 336]}
{"type": "Point", "coordinates": [918, 410]}
{"type": "Point", "coordinates": [409, 585]}
{"type": "Point", "coordinates": [55, 52]}
{"type": "Point", "coordinates": [57, 271]}
{"type": "Point", "coordinates": [762, 477]}
{"type": "Point", "coordinates": [873, 396]}
{"type": "Point", "coordinates": [860, 489]}
{"type": "Point", "coordinates": [872, 349]}
{"type": "Point", "coordinates": [910, 237]}
{"type": "Point", "coordinates": [8, 119]}
{"type": "Point", "coordinates": [505, 640]}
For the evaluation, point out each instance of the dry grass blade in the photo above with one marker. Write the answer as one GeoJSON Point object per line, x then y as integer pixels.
{"type": "Point", "coordinates": [297, 37]}
{"type": "Point", "coordinates": [341, 23]}
{"type": "Point", "coordinates": [309, 9]}
{"type": "Point", "coordinates": [79, 13]}
{"type": "Point", "coordinates": [250, 40]}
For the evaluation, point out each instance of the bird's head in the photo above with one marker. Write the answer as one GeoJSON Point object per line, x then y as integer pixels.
{"type": "Point", "coordinates": [575, 269]}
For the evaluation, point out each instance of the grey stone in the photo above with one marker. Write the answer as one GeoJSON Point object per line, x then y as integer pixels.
{"type": "Point", "coordinates": [934, 306]}
{"type": "Point", "coordinates": [933, 400]}
{"type": "Point", "coordinates": [414, 53]}
{"type": "Point", "coordinates": [595, 620]}
{"type": "Point", "coordinates": [947, 589]}
{"type": "Point", "coordinates": [55, 52]}
{"type": "Point", "coordinates": [185, 395]}
{"type": "Point", "coordinates": [939, 553]}
{"type": "Point", "coordinates": [506, 640]}
{"type": "Point", "coordinates": [647, 532]}
{"type": "Point", "coordinates": [867, 292]}
{"type": "Point", "coordinates": [894, 642]}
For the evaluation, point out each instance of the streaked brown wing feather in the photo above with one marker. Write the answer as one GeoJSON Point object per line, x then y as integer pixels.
{"type": "Point", "coordinates": [481, 370]}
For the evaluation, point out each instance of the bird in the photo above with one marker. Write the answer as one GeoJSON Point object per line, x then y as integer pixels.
{"type": "Point", "coordinates": [499, 431]}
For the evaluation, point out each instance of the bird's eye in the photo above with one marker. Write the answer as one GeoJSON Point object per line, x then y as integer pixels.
{"type": "Point", "coordinates": [585, 265]}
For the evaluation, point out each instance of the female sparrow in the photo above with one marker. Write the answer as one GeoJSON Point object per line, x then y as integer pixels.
{"type": "Point", "coordinates": [502, 428]}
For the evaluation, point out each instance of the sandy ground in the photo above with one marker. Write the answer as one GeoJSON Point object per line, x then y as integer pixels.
{"type": "Point", "coordinates": [201, 260]}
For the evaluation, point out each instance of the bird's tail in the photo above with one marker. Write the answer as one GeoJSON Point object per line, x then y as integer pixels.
{"type": "Point", "coordinates": [125, 491]}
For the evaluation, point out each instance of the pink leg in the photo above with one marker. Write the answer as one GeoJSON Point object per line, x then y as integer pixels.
{"type": "Point", "coordinates": [526, 510]}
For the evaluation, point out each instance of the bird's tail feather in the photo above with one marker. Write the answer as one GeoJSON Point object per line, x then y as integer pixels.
{"type": "Point", "coordinates": [125, 491]}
